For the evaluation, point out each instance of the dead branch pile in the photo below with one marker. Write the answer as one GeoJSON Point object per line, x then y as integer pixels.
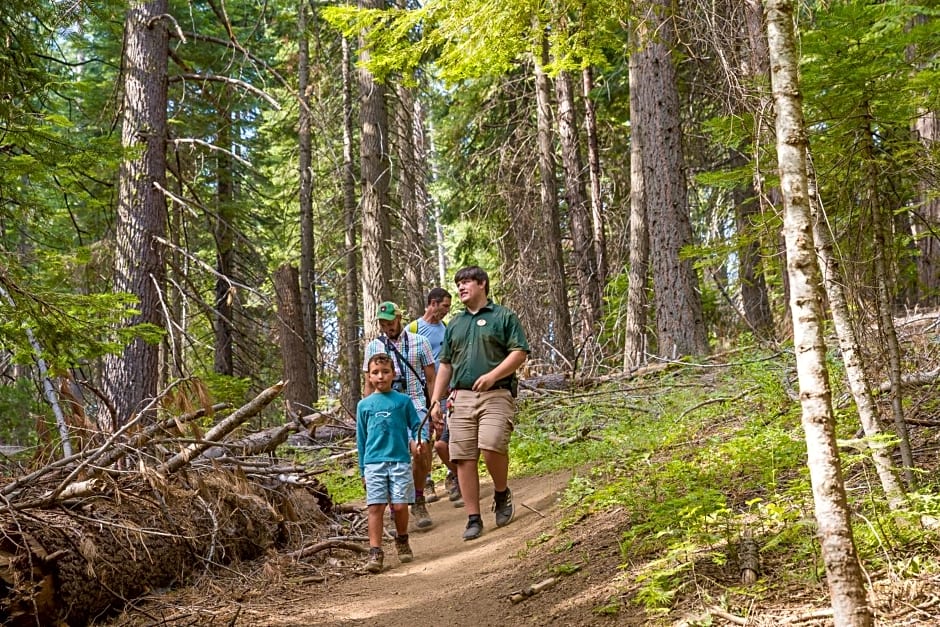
{"type": "Point", "coordinates": [85, 534]}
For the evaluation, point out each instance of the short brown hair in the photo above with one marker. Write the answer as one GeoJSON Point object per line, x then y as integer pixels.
{"type": "Point", "coordinates": [381, 358]}
{"type": "Point", "coordinates": [474, 273]}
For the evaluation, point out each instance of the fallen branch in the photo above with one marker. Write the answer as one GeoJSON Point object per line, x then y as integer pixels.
{"type": "Point", "coordinates": [525, 593]}
{"type": "Point", "coordinates": [731, 618]}
{"type": "Point", "coordinates": [313, 549]}
{"type": "Point", "coordinates": [223, 428]}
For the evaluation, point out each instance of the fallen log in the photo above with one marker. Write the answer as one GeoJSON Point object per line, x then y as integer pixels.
{"type": "Point", "coordinates": [109, 537]}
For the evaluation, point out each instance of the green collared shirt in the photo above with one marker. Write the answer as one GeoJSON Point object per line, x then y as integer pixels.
{"type": "Point", "coordinates": [476, 343]}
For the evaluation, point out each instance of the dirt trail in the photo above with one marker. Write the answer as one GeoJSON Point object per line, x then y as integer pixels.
{"type": "Point", "coordinates": [450, 582]}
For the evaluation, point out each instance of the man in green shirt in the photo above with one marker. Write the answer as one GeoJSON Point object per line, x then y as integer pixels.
{"type": "Point", "coordinates": [483, 347]}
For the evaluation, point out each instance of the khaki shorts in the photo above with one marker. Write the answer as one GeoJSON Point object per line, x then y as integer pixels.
{"type": "Point", "coordinates": [480, 420]}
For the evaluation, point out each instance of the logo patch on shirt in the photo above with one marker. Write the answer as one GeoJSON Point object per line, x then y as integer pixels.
{"type": "Point", "coordinates": [481, 322]}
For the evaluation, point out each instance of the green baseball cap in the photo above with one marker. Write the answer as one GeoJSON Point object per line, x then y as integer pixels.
{"type": "Point", "coordinates": [388, 311]}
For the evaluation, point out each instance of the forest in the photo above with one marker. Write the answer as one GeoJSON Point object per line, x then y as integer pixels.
{"type": "Point", "coordinates": [203, 203]}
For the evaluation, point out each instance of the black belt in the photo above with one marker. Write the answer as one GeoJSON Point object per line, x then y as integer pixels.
{"type": "Point", "coordinates": [502, 386]}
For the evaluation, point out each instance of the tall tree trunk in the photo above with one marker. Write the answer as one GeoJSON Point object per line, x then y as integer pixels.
{"type": "Point", "coordinates": [881, 220]}
{"type": "Point", "coordinates": [224, 246]}
{"type": "Point", "coordinates": [293, 345]}
{"type": "Point", "coordinates": [766, 197]}
{"type": "Point", "coordinates": [833, 282]}
{"type": "Point", "coordinates": [680, 325]}
{"type": "Point", "coordinates": [635, 336]}
{"type": "Point", "coordinates": [376, 256]}
{"type": "Point", "coordinates": [843, 572]}
{"type": "Point", "coordinates": [412, 244]}
{"type": "Point", "coordinates": [131, 378]}
{"type": "Point", "coordinates": [308, 283]}
{"type": "Point", "coordinates": [555, 269]}
{"type": "Point", "coordinates": [430, 228]}
{"type": "Point", "coordinates": [594, 169]}
{"type": "Point", "coordinates": [579, 217]}
{"type": "Point", "coordinates": [755, 300]}
{"type": "Point", "coordinates": [349, 299]}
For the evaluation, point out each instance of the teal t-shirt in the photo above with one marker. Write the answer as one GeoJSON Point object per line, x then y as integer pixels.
{"type": "Point", "coordinates": [476, 343]}
{"type": "Point", "coordinates": [385, 423]}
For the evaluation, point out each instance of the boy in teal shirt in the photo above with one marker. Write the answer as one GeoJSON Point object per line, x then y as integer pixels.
{"type": "Point", "coordinates": [385, 423]}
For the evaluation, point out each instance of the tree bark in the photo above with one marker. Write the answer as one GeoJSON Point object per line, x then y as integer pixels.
{"type": "Point", "coordinates": [291, 332]}
{"type": "Point", "coordinates": [635, 335]}
{"type": "Point", "coordinates": [225, 292]}
{"type": "Point", "coordinates": [555, 265]}
{"type": "Point", "coordinates": [843, 571]}
{"type": "Point", "coordinates": [411, 250]}
{"type": "Point", "coordinates": [308, 278]}
{"type": "Point", "coordinates": [594, 169]}
{"type": "Point", "coordinates": [680, 325]}
{"type": "Point", "coordinates": [374, 156]}
{"type": "Point", "coordinates": [833, 280]}
{"type": "Point", "coordinates": [881, 220]}
{"type": "Point", "coordinates": [131, 378]}
{"type": "Point", "coordinates": [349, 336]}
{"type": "Point", "coordinates": [579, 217]}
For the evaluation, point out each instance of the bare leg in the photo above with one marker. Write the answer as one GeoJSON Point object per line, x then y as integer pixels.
{"type": "Point", "coordinates": [498, 466]}
{"type": "Point", "coordinates": [469, 480]}
{"type": "Point", "coordinates": [421, 466]}
{"type": "Point", "coordinates": [400, 511]}
{"type": "Point", "coordinates": [443, 451]}
{"type": "Point", "coordinates": [376, 512]}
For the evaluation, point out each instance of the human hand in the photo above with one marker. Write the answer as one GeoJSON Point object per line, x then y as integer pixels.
{"type": "Point", "coordinates": [483, 383]}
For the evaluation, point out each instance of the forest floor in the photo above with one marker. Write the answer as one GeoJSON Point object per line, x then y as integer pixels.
{"type": "Point", "coordinates": [452, 582]}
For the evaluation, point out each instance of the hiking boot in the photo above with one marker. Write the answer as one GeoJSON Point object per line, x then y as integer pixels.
{"type": "Point", "coordinates": [404, 549]}
{"type": "Point", "coordinates": [376, 559]}
{"type": "Point", "coordinates": [420, 513]}
{"type": "Point", "coordinates": [504, 509]}
{"type": "Point", "coordinates": [474, 529]}
{"type": "Point", "coordinates": [430, 494]}
{"type": "Point", "coordinates": [459, 501]}
{"type": "Point", "coordinates": [450, 484]}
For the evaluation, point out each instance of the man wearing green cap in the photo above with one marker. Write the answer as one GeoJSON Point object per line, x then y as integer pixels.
{"type": "Point", "coordinates": [414, 373]}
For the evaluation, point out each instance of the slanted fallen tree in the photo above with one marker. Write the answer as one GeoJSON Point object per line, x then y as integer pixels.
{"type": "Point", "coordinates": [84, 535]}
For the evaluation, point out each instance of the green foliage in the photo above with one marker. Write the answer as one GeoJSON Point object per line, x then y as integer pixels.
{"type": "Point", "coordinates": [69, 328]}
{"type": "Point", "coordinates": [694, 476]}
{"type": "Point", "coordinates": [19, 407]}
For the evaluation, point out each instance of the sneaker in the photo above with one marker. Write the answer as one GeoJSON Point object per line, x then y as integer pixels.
{"type": "Point", "coordinates": [504, 509]}
{"type": "Point", "coordinates": [376, 559]}
{"type": "Point", "coordinates": [420, 512]}
{"type": "Point", "coordinates": [459, 501]}
{"type": "Point", "coordinates": [404, 550]}
{"type": "Point", "coordinates": [474, 529]}
{"type": "Point", "coordinates": [430, 495]}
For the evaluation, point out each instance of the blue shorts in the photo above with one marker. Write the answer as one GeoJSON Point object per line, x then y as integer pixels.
{"type": "Point", "coordinates": [389, 482]}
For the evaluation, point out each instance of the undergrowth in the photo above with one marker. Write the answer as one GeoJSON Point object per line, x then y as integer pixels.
{"type": "Point", "coordinates": [701, 456]}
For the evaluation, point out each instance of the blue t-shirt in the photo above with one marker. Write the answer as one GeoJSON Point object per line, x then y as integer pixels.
{"type": "Point", "coordinates": [434, 333]}
{"type": "Point", "coordinates": [385, 423]}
